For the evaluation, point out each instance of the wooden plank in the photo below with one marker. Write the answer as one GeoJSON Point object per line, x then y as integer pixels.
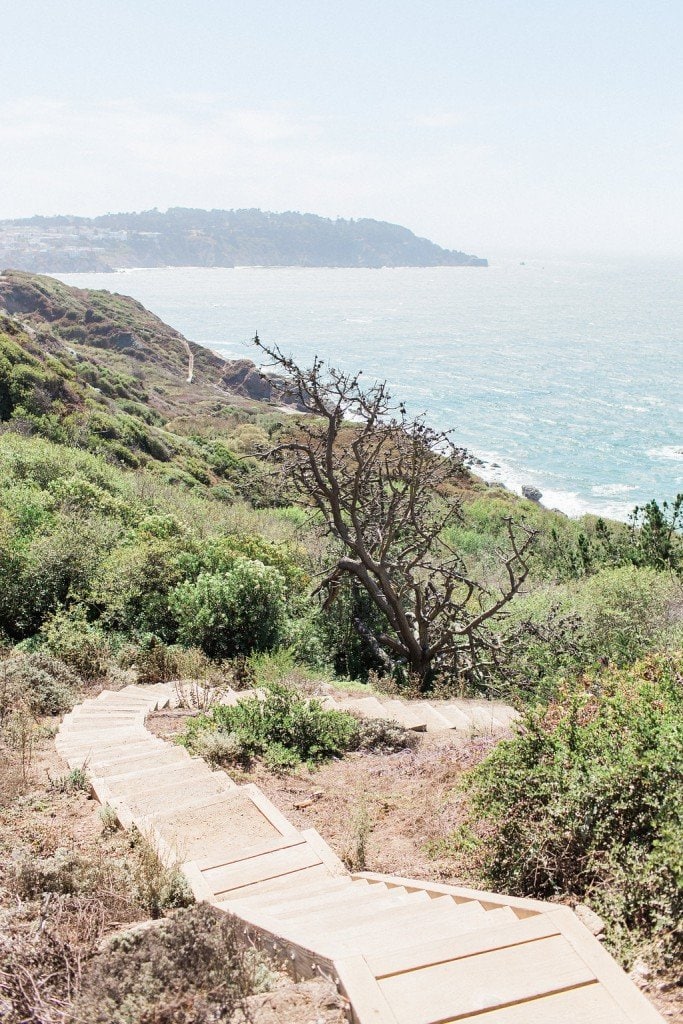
{"type": "Point", "coordinates": [287, 903]}
{"type": "Point", "coordinates": [588, 1004]}
{"type": "Point", "coordinates": [405, 715]}
{"type": "Point", "coordinates": [458, 719]}
{"type": "Point", "coordinates": [441, 950]}
{"type": "Point", "coordinates": [181, 774]}
{"type": "Point", "coordinates": [345, 914]}
{"type": "Point", "coordinates": [633, 1003]}
{"type": "Point", "coordinates": [197, 882]}
{"type": "Point", "coordinates": [269, 810]}
{"type": "Point", "coordinates": [256, 850]}
{"type": "Point", "coordinates": [325, 852]}
{"type": "Point", "coordinates": [485, 981]}
{"type": "Point", "coordinates": [436, 722]}
{"type": "Point", "coordinates": [294, 892]}
{"type": "Point", "coordinates": [417, 922]}
{"type": "Point", "coordinates": [196, 793]}
{"type": "Point", "coordinates": [488, 900]}
{"type": "Point", "coordinates": [305, 880]}
{"type": "Point", "coordinates": [259, 869]}
{"type": "Point", "coordinates": [368, 1004]}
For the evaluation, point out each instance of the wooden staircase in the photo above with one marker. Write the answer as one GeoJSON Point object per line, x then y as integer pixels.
{"type": "Point", "coordinates": [465, 716]}
{"type": "Point", "coordinates": [401, 951]}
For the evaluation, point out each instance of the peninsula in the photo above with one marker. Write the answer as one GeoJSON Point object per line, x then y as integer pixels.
{"type": "Point", "coordinates": [215, 238]}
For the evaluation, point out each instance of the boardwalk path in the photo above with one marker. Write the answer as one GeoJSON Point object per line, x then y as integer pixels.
{"type": "Point", "coordinates": [401, 951]}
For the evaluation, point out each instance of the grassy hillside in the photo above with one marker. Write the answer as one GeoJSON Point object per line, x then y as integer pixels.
{"type": "Point", "coordinates": [144, 537]}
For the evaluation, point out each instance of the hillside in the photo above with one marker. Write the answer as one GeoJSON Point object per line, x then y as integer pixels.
{"type": "Point", "coordinates": [215, 238]}
{"type": "Point", "coordinates": [145, 538]}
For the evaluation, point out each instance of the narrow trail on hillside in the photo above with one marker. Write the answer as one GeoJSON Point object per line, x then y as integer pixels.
{"type": "Point", "coordinates": [190, 360]}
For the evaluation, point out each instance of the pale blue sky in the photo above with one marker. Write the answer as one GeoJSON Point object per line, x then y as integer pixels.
{"type": "Point", "coordinates": [485, 125]}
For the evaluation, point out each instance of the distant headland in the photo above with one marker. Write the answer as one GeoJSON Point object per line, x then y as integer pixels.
{"type": "Point", "coordinates": [215, 238]}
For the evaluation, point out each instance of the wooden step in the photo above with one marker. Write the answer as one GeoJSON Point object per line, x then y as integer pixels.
{"type": "Point", "coordinates": [389, 925]}
{"type": "Point", "coordinates": [181, 774]}
{"type": "Point", "coordinates": [441, 949]}
{"type": "Point", "coordinates": [435, 721]}
{"type": "Point", "coordinates": [368, 707]}
{"type": "Point", "coordinates": [220, 830]}
{"type": "Point", "coordinates": [227, 879]}
{"type": "Point", "coordinates": [354, 913]}
{"type": "Point", "coordinates": [281, 902]}
{"type": "Point", "coordinates": [306, 880]}
{"type": "Point", "coordinates": [193, 793]}
{"type": "Point", "coordinates": [476, 984]}
{"type": "Point", "coordinates": [459, 719]}
{"type": "Point", "coordinates": [126, 764]}
{"type": "Point", "coordinates": [406, 715]}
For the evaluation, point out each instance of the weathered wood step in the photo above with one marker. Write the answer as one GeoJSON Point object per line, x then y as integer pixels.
{"type": "Point", "coordinates": [131, 763]}
{"type": "Point", "coordinates": [459, 719]}
{"type": "Point", "coordinates": [113, 747]}
{"type": "Point", "coordinates": [182, 774]}
{"type": "Point", "coordinates": [227, 879]}
{"type": "Point", "coordinates": [308, 880]}
{"type": "Point", "coordinates": [281, 842]}
{"type": "Point", "coordinates": [195, 792]}
{"type": "Point", "coordinates": [489, 936]}
{"type": "Point", "coordinates": [356, 913]}
{"type": "Point", "coordinates": [388, 925]}
{"type": "Point", "coordinates": [588, 1004]}
{"type": "Point", "coordinates": [76, 742]}
{"type": "Point", "coordinates": [435, 721]}
{"type": "Point", "coordinates": [368, 707]}
{"type": "Point", "coordinates": [476, 984]}
{"type": "Point", "coordinates": [220, 830]}
{"type": "Point", "coordinates": [406, 715]}
{"type": "Point", "coordinates": [282, 902]}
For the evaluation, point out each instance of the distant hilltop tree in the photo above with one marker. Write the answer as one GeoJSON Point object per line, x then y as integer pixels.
{"type": "Point", "coordinates": [215, 238]}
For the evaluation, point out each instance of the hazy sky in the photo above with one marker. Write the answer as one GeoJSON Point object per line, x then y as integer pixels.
{"type": "Point", "coordinates": [482, 124]}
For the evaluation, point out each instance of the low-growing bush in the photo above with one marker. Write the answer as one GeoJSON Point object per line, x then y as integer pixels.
{"type": "Point", "coordinates": [42, 684]}
{"type": "Point", "coordinates": [585, 803]}
{"type": "Point", "coordinates": [195, 968]}
{"type": "Point", "coordinates": [284, 728]}
{"type": "Point", "coordinates": [380, 736]}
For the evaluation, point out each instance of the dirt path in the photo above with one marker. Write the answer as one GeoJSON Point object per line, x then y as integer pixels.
{"type": "Point", "coordinates": [190, 362]}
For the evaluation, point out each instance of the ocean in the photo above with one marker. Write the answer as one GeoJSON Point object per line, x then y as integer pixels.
{"type": "Point", "coordinates": [563, 374]}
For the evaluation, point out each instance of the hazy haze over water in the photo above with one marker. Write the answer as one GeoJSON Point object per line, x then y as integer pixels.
{"type": "Point", "coordinates": [568, 373]}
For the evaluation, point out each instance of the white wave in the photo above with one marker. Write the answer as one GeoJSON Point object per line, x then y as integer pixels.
{"type": "Point", "coordinates": [495, 471]}
{"type": "Point", "coordinates": [671, 451]}
{"type": "Point", "coordinates": [607, 490]}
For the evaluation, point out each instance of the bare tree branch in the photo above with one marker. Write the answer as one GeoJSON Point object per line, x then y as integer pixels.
{"type": "Point", "coordinates": [387, 488]}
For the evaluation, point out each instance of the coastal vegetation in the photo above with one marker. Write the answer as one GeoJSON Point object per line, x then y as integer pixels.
{"type": "Point", "coordinates": [148, 532]}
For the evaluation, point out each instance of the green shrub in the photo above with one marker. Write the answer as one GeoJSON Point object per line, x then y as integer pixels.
{"type": "Point", "coordinates": [80, 644]}
{"type": "Point", "coordinates": [231, 613]}
{"type": "Point", "coordinates": [586, 802]}
{"type": "Point", "coordinates": [284, 728]}
{"type": "Point", "coordinates": [627, 611]}
{"type": "Point", "coordinates": [43, 685]}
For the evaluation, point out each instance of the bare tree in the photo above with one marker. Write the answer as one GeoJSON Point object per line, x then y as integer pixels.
{"type": "Point", "coordinates": [386, 486]}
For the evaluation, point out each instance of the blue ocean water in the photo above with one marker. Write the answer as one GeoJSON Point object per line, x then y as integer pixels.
{"type": "Point", "coordinates": [566, 374]}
